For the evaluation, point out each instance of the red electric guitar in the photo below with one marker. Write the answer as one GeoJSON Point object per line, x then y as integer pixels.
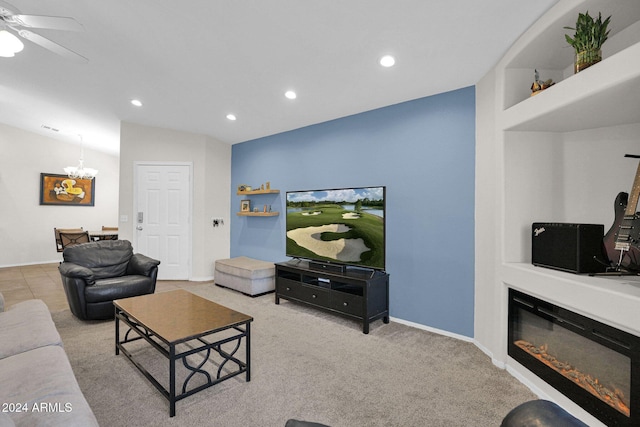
{"type": "Point", "coordinates": [622, 241]}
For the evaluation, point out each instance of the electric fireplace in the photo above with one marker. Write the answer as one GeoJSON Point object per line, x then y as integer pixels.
{"type": "Point", "coordinates": [593, 364]}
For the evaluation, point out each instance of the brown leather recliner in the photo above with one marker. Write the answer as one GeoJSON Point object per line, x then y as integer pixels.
{"type": "Point", "coordinates": [94, 274]}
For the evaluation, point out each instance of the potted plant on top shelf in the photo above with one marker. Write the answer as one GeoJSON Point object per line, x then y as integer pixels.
{"type": "Point", "coordinates": [590, 35]}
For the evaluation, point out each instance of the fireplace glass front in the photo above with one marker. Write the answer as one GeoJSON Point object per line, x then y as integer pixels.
{"type": "Point", "coordinates": [591, 363]}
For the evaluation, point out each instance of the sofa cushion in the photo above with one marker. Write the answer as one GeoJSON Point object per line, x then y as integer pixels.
{"type": "Point", "coordinates": [42, 379]}
{"type": "Point", "coordinates": [109, 260]}
{"type": "Point", "coordinates": [118, 287]}
{"type": "Point", "coordinates": [25, 326]}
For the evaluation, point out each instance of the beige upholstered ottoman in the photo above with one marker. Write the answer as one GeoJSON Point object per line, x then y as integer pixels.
{"type": "Point", "coordinates": [247, 275]}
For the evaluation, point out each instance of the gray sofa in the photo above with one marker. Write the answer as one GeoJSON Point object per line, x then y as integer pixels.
{"type": "Point", "coordinates": [37, 384]}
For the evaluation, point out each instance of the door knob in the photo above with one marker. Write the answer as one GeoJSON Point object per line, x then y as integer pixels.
{"type": "Point", "coordinates": [139, 227]}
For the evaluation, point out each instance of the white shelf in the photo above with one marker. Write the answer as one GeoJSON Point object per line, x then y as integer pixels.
{"type": "Point", "coordinates": [605, 94]}
{"type": "Point", "coordinates": [543, 46]}
{"type": "Point", "coordinates": [614, 300]}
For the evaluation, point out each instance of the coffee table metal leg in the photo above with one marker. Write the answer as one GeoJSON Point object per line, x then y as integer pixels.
{"type": "Point", "coordinates": [172, 380]}
{"type": "Point", "coordinates": [117, 333]}
{"type": "Point", "coordinates": [248, 347]}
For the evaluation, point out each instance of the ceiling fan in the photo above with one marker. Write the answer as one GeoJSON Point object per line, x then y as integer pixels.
{"type": "Point", "coordinates": [12, 19]}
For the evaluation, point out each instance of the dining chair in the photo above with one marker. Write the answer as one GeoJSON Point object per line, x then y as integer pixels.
{"type": "Point", "coordinates": [57, 231]}
{"type": "Point", "coordinates": [73, 238]}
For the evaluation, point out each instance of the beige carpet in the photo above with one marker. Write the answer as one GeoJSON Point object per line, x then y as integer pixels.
{"type": "Point", "coordinates": [306, 364]}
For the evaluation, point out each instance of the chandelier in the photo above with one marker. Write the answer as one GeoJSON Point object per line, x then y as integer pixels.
{"type": "Point", "coordinates": [80, 172]}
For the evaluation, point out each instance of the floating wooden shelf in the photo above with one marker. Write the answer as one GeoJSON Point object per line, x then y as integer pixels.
{"type": "Point", "coordinates": [253, 192]}
{"type": "Point", "coordinates": [257, 192]}
{"type": "Point", "coordinates": [258, 213]}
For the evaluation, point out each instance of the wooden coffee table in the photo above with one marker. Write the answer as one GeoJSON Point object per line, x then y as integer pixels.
{"type": "Point", "coordinates": [180, 324]}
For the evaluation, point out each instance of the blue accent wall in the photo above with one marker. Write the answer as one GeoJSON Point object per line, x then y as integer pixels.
{"type": "Point", "coordinates": [423, 151]}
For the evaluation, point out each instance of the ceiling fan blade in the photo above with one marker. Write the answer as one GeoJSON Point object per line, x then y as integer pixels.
{"type": "Point", "coordinates": [52, 46]}
{"type": "Point", "coordinates": [49, 22]}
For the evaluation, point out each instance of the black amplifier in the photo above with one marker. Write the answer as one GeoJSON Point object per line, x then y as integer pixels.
{"type": "Point", "coordinates": [575, 248]}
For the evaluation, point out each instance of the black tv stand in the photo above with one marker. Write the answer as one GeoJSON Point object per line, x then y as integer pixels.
{"type": "Point", "coordinates": [357, 293]}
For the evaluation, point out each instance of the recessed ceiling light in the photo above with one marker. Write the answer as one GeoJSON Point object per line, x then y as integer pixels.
{"type": "Point", "coordinates": [387, 61]}
{"type": "Point", "coordinates": [231, 116]}
{"type": "Point", "coordinates": [136, 102]}
{"type": "Point", "coordinates": [290, 94]}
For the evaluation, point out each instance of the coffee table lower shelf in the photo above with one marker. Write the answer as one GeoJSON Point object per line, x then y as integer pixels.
{"type": "Point", "coordinates": [169, 350]}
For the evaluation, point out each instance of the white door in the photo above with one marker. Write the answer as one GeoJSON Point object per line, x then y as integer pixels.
{"type": "Point", "coordinates": [162, 217]}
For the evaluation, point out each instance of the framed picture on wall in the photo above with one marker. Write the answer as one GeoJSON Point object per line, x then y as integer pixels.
{"type": "Point", "coordinates": [245, 206]}
{"type": "Point", "coordinates": [64, 191]}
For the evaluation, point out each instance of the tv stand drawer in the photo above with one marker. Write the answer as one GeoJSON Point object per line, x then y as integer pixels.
{"type": "Point", "coordinates": [347, 303]}
{"type": "Point", "coordinates": [288, 288]}
{"type": "Point", "coordinates": [314, 295]}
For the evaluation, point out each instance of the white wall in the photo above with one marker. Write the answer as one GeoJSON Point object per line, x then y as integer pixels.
{"type": "Point", "coordinates": [26, 228]}
{"type": "Point", "coordinates": [211, 161]}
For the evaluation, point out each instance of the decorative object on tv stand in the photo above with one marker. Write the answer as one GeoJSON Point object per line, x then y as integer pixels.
{"type": "Point", "coordinates": [539, 85]}
{"type": "Point", "coordinates": [590, 34]}
{"type": "Point", "coordinates": [80, 172]}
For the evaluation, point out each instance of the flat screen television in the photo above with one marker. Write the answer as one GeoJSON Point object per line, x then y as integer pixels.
{"type": "Point", "coordinates": [344, 226]}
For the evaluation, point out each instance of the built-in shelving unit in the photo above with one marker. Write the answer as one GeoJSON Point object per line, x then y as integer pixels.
{"type": "Point", "coordinates": [260, 213]}
{"type": "Point", "coordinates": [554, 157]}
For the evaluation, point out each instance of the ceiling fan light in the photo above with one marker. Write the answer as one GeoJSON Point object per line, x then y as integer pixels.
{"type": "Point", "coordinates": [9, 44]}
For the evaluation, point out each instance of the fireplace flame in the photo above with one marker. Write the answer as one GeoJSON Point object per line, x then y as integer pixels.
{"type": "Point", "coordinates": [614, 398]}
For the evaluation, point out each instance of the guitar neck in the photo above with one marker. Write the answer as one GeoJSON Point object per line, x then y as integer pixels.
{"type": "Point", "coordinates": [634, 195]}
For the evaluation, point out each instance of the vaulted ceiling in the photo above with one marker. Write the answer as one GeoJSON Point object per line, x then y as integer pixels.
{"type": "Point", "coordinates": [193, 62]}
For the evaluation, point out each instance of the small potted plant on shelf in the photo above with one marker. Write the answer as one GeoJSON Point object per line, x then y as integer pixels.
{"type": "Point", "coordinates": [590, 35]}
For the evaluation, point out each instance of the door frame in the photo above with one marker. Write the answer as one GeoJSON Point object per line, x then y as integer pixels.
{"type": "Point", "coordinates": [138, 163]}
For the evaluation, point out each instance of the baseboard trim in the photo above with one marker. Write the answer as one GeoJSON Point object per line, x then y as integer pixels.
{"type": "Point", "coordinates": [26, 264]}
{"type": "Point", "coordinates": [434, 330]}
{"type": "Point", "coordinates": [201, 279]}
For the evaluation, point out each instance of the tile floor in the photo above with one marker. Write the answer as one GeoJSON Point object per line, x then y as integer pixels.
{"type": "Point", "coordinates": [42, 281]}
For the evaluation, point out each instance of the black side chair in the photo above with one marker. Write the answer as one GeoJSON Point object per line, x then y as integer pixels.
{"type": "Point", "coordinates": [96, 273]}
